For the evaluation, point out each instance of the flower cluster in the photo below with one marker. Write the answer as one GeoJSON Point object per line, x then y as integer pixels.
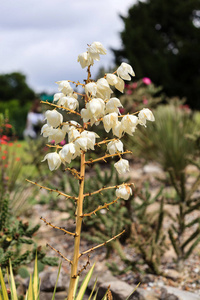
{"type": "Point", "coordinates": [100, 106]}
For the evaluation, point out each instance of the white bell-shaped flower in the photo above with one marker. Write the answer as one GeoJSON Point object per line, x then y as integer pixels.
{"type": "Point", "coordinates": [124, 191]}
{"type": "Point", "coordinates": [85, 60]}
{"type": "Point", "coordinates": [54, 118]}
{"type": "Point", "coordinates": [129, 123]}
{"type": "Point", "coordinates": [57, 135]}
{"type": "Point", "coordinates": [144, 115]}
{"type": "Point", "coordinates": [68, 152]}
{"type": "Point", "coordinates": [73, 134]}
{"type": "Point", "coordinates": [115, 146]}
{"type": "Point", "coordinates": [90, 134]}
{"type": "Point", "coordinates": [112, 105]}
{"type": "Point", "coordinates": [117, 129]}
{"type": "Point", "coordinates": [103, 89]}
{"type": "Point", "coordinates": [95, 49]}
{"type": "Point", "coordinates": [70, 125]}
{"type": "Point", "coordinates": [122, 166]}
{"type": "Point", "coordinates": [116, 81]}
{"type": "Point", "coordinates": [54, 160]}
{"type": "Point", "coordinates": [46, 130]}
{"type": "Point", "coordinates": [65, 87]}
{"type": "Point", "coordinates": [124, 70]}
{"type": "Point", "coordinates": [68, 102]}
{"type": "Point", "coordinates": [95, 109]}
{"type": "Point", "coordinates": [57, 96]}
{"type": "Point", "coordinates": [110, 120]}
{"type": "Point", "coordinates": [91, 89]}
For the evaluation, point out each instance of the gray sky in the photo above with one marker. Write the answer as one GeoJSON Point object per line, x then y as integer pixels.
{"type": "Point", "coordinates": [42, 38]}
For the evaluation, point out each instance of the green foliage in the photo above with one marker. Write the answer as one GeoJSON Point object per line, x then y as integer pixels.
{"type": "Point", "coordinates": [160, 47]}
{"type": "Point", "coordinates": [165, 140]}
{"type": "Point", "coordinates": [17, 114]}
{"type": "Point", "coordinates": [14, 86]}
{"type": "Point", "coordinates": [139, 94]}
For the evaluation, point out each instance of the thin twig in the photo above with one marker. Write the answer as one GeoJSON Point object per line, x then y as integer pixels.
{"type": "Point", "coordinates": [100, 245]}
{"type": "Point", "coordinates": [91, 161]}
{"type": "Point", "coordinates": [107, 188]}
{"type": "Point", "coordinates": [84, 267]}
{"type": "Point", "coordinates": [57, 251]}
{"type": "Point", "coordinates": [100, 207]}
{"type": "Point", "coordinates": [57, 227]}
{"type": "Point", "coordinates": [61, 107]}
{"type": "Point", "coordinates": [52, 190]}
{"type": "Point", "coordinates": [74, 172]}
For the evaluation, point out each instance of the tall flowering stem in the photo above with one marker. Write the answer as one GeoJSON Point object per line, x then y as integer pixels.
{"type": "Point", "coordinates": [99, 107]}
{"type": "Point", "coordinates": [79, 219]}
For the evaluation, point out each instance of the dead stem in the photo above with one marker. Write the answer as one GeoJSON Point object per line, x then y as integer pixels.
{"type": "Point", "coordinates": [61, 107]}
{"type": "Point", "coordinates": [52, 190]}
{"type": "Point", "coordinates": [100, 207]}
{"type": "Point", "coordinates": [57, 251]}
{"type": "Point", "coordinates": [100, 245]}
{"type": "Point", "coordinates": [57, 227]}
{"type": "Point", "coordinates": [91, 161]}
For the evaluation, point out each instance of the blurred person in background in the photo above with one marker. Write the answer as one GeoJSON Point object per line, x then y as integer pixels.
{"type": "Point", "coordinates": [35, 120]}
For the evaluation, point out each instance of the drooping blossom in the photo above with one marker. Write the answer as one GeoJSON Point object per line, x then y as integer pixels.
{"type": "Point", "coordinates": [53, 159]}
{"type": "Point", "coordinates": [144, 115]}
{"type": "Point", "coordinates": [122, 166]}
{"type": "Point", "coordinates": [124, 191]}
{"type": "Point", "coordinates": [124, 70]}
{"type": "Point", "coordinates": [115, 146]}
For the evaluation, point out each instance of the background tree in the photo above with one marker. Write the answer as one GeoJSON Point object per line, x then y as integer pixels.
{"type": "Point", "coordinates": [14, 86]}
{"type": "Point", "coordinates": [15, 100]}
{"type": "Point", "coordinates": [161, 39]}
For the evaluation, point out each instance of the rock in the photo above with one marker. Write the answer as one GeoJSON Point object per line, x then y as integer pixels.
{"type": "Point", "coordinates": [173, 274]}
{"type": "Point", "coordinates": [48, 296]}
{"type": "Point", "coordinates": [48, 281]}
{"type": "Point", "coordinates": [183, 295]}
{"type": "Point", "coordinates": [152, 168]}
{"type": "Point", "coordinates": [167, 296]}
{"type": "Point", "coordinates": [120, 290]}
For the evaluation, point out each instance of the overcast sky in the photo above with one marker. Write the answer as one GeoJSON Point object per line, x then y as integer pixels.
{"type": "Point", "coordinates": [42, 38]}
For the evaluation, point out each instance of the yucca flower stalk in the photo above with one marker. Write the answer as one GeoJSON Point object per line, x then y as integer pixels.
{"type": "Point", "coordinates": [99, 107]}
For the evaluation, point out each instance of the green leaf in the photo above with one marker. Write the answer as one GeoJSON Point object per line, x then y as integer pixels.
{"type": "Point", "coordinates": [36, 281]}
{"type": "Point", "coordinates": [54, 292]}
{"type": "Point", "coordinates": [85, 284]}
{"type": "Point", "coordinates": [3, 287]}
{"type": "Point", "coordinates": [133, 291]}
{"type": "Point", "coordinates": [93, 290]}
{"type": "Point", "coordinates": [12, 284]}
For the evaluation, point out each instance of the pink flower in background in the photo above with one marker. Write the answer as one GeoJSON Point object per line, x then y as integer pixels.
{"type": "Point", "coordinates": [145, 101]}
{"type": "Point", "coordinates": [121, 110]}
{"type": "Point", "coordinates": [134, 85]}
{"type": "Point", "coordinates": [146, 80]}
{"type": "Point", "coordinates": [62, 143]}
{"type": "Point", "coordinates": [128, 92]}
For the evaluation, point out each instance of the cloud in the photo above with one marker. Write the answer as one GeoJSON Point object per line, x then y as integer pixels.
{"type": "Point", "coordinates": [42, 38]}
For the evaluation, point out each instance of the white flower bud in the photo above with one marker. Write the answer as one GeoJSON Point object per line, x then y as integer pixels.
{"type": "Point", "coordinates": [91, 89]}
{"type": "Point", "coordinates": [129, 123]}
{"type": "Point", "coordinates": [145, 114]}
{"type": "Point", "coordinates": [54, 118]}
{"type": "Point", "coordinates": [65, 87]}
{"type": "Point", "coordinates": [122, 166]}
{"type": "Point", "coordinates": [124, 70]}
{"type": "Point", "coordinates": [110, 120]}
{"type": "Point", "coordinates": [54, 160]}
{"type": "Point", "coordinates": [85, 59]}
{"type": "Point", "coordinates": [123, 191]}
{"type": "Point", "coordinates": [112, 105]}
{"type": "Point", "coordinates": [115, 146]}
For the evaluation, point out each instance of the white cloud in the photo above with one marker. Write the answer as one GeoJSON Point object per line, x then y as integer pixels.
{"type": "Point", "coordinates": [42, 38]}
